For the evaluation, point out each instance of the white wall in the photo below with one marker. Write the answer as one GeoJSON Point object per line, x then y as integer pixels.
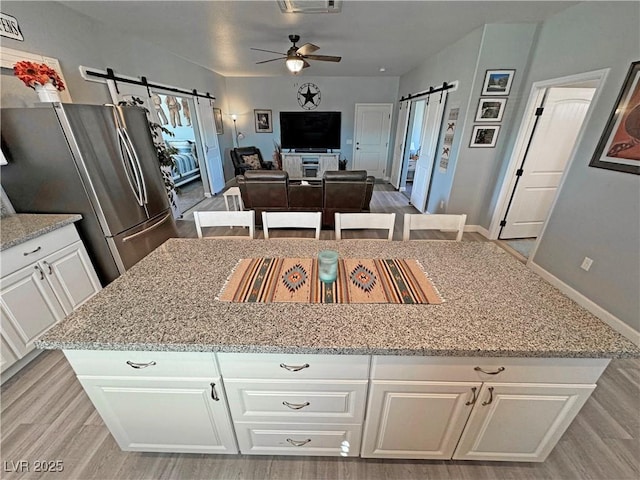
{"type": "Point", "coordinates": [597, 212]}
{"type": "Point", "coordinates": [280, 94]}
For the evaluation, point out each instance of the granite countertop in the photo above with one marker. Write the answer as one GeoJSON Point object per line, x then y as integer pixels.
{"type": "Point", "coordinates": [494, 306]}
{"type": "Point", "coordinates": [21, 227]}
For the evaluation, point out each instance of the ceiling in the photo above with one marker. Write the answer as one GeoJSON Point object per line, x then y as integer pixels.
{"type": "Point", "coordinates": [369, 35]}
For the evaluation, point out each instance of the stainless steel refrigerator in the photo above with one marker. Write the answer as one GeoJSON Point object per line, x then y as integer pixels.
{"type": "Point", "coordinates": [99, 161]}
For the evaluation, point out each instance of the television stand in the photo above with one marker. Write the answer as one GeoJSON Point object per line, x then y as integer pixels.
{"type": "Point", "coordinates": [308, 165]}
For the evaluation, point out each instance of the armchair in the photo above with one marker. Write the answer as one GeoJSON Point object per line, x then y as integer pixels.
{"type": "Point", "coordinates": [248, 158]}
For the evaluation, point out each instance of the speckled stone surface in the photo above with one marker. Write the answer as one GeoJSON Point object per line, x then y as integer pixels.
{"type": "Point", "coordinates": [18, 228]}
{"type": "Point", "coordinates": [494, 306]}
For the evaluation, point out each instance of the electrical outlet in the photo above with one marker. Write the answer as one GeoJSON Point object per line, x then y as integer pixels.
{"type": "Point", "coordinates": [349, 141]}
{"type": "Point", "coordinates": [441, 204]}
{"type": "Point", "coordinates": [586, 264]}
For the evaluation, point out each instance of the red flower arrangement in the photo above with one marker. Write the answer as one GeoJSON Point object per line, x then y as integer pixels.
{"type": "Point", "coordinates": [33, 74]}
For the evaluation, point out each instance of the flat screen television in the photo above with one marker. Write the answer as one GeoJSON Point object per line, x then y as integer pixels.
{"type": "Point", "coordinates": [310, 130]}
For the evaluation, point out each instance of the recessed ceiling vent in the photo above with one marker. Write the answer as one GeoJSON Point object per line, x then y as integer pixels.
{"type": "Point", "coordinates": [310, 6]}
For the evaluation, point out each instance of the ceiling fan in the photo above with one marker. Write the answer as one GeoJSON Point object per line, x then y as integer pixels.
{"type": "Point", "coordinates": [296, 57]}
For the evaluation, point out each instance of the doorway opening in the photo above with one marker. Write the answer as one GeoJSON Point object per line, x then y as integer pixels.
{"type": "Point", "coordinates": [551, 128]}
{"type": "Point", "coordinates": [175, 115]}
{"type": "Point", "coordinates": [412, 153]}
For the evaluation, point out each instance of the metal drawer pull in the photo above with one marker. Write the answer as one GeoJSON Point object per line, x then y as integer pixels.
{"type": "Point", "coordinates": [298, 443]}
{"type": "Point", "coordinates": [296, 406]}
{"type": "Point", "coordinates": [294, 368]}
{"type": "Point", "coordinates": [38, 269]}
{"type": "Point", "coordinates": [500, 369]}
{"type": "Point", "coordinates": [48, 265]}
{"type": "Point", "coordinates": [490, 397]}
{"type": "Point", "coordinates": [214, 394]}
{"type": "Point", "coordinates": [140, 365]}
{"type": "Point", "coordinates": [32, 251]}
{"type": "Point", "coordinates": [473, 400]}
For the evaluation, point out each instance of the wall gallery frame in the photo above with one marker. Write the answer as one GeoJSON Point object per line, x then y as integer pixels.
{"type": "Point", "coordinates": [498, 82]}
{"type": "Point", "coordinates": [619, 145]}
{"type": "Point", "coordinates": [217, 117]}
{"type": "Point", "coordinates": [484, 136]}
{"type": "Point", "coordinates": [263, 121]}
{"type": "Point", "coordinates": [491, 109]}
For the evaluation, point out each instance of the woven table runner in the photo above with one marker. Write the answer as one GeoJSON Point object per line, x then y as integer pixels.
{"type": "Point", "coordinates": [267, 280]}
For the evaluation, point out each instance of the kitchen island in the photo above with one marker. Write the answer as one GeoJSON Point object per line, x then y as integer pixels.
{"type": "Point", "coordinates": [171, 368]}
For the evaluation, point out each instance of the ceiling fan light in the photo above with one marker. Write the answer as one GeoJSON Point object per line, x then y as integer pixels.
{"type": "Point", "coordinates": [294, 63]}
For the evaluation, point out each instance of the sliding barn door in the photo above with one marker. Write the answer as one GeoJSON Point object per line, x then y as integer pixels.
{"type": "Point", "coordinates": [432, 125]}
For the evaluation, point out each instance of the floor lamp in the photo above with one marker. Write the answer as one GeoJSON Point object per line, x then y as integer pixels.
{"type": "Point", "coordinates": [238, 136]}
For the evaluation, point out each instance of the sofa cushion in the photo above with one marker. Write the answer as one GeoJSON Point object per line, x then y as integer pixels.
{"type": "Point", "coordinates": [345, 175]}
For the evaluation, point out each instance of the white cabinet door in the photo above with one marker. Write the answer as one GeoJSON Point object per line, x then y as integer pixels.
{"type": "Point", "coordinates": [416, 419]}
{"type": "Point", "coordinates": [7, 355]}
{"type": "Point", "coordinates": [520, 422]}
{"type": "Point", "coordinates": [29, 307]}
{"type": "Point", "coordinates": [327, 163]}
{"type": "Point", "coordinates": [156, 415]}
{"type": "Point", "coordinates": [71, 275]}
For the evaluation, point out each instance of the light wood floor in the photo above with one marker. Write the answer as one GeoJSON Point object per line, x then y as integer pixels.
{"type": "Point", "coordinates": [45, 415]}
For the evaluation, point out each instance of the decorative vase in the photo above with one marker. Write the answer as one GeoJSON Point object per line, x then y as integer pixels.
{"type": "Point", "coordinates": [47, 92]}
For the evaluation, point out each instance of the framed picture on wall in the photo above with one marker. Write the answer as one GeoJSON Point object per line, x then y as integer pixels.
{"type": "Point", "coordinates": [263, 121]}
{"type": "Point", "coordinates": [484, 136]}
{"type": "Point", "coordinates": [217, 117]}
{"type": "Point", "coordinates": [497, 82]}
{"type": "Point", "coordinates": [490, 109]}
{"type": "Point", "coordinates": [619, 145]}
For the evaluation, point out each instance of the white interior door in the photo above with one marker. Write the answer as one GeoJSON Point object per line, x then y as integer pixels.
{"type": "Point", "coordinates": [550, 149]}
{"type": "Point", "coordinates": [401, 138]}
{"type": "Point", "coordinates": [213, 159]}
{"type": "Point", "coordinates": [432, 124]}
{"type": "Point", "coordinates": [373, 127]}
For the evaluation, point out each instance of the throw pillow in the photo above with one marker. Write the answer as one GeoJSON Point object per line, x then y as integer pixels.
{"type": "Point", "coordinates": [252, 160]}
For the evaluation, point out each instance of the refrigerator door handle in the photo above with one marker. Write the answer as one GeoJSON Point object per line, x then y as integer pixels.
{"type": "Point", "coordinates": [132, 150]}
{"type": "Point", "coordinates": [146, 230]}
{"type": "Point", "coordinates": [127, 155]}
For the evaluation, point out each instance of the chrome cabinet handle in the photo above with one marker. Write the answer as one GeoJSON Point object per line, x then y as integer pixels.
{"type": "Point", "coordinates": [38, 269]}
{"type": "Point", "coordinates": [214, 394]}
{"type": "Point", "coordinates": [48, 265]}
{"type": "Point", "coordinates": [294, 368]}
{"type": "Point", "coordinates": [473, 400]}
{"type": "Point", "coordinates": [140, 365]}
{"type": "Point", "coordinates": [32, 251]}
{"type": "Point", "coordinates": [298, 443]}
{"type": "Point", "coordinates": [479, 369]}
{"type": "Point", "coordinates": [490, 397]}
{"type": "Point", "coordinates": [296, 406]}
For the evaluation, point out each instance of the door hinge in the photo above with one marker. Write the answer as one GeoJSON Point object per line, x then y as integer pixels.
{"type": "Point", "coordinates": [539, 111]}
{"type": "Point", "coordinates": [503, 223]}
{"type": "Point", "coordinates": [519, 172]}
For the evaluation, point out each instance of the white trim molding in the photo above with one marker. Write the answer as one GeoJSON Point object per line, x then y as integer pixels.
{"type": "Point", "coordinates": [9, 57]}
{"type": "Point", "coordinates": [477, 229]}
{"type": "Point", "coordinates": [604, 315]}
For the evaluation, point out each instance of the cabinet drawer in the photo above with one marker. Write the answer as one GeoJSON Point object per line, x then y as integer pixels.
{"type": "Point", "coordinates": [314, 401]}
{"type": "Point", "coordinates": [506, 369]}
{"type": "Point", "coordinates": [142, 364]}
{"type": "Point", "coordinates": [31, 251]}
{"type": "Point", "coordinates": [302, 439]}
{"type": "Point", "coordinates": [287, 366]}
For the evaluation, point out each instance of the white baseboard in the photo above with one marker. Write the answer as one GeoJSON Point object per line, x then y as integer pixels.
{"type": "Point", "coordinates": [478, 229]}
{"type": "Point", "coordinates": [19, 365]}
{"type": "Point", "coordinates": [607, 317]}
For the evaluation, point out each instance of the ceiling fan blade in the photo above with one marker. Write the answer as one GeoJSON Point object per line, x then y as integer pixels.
{"type": "Point", "coordinates": [306, 64]}
{"type": "Point", "coordinates": [269, 51]}
{"type": "Point", "coordinates": [307, 48]}
{"type": "Point", "coordinates": [267, 61]}
{"type": "Point", "coordinates": [323, 58]}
